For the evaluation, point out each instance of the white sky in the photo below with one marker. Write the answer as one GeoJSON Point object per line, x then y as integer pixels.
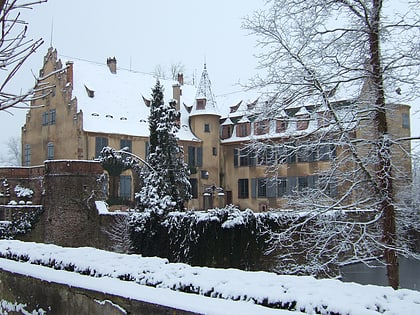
{"type": "Point", "coordinates": [142, 35]}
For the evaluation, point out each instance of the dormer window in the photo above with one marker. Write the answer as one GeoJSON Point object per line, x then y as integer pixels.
{"type": "Point", "coordinates": [226, 131]}
{"type": "Point", "coordinates": [95, 114]}
{"type": "Point", "coordinates": [109, 116]}
{"type": "Point", "coordinates": [90, 93]}
{"type": "Point", "coordinates": [303, 122]}
{"type": "Point", "coordinates": [281, 125]}
{"type": "Point", "coordinates": [324, 118]}
{"type": "Point", "coordinates": [123, 118]}
{"type": "Point", "coordinates": [261, 127]}
{"type": "Point", "coordinates": [201, 103]}
{"type": "Point", "coordinates": [243, 129]}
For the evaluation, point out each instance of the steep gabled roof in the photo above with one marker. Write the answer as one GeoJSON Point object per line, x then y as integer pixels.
{"type": "Point", "coordinates": [117, 103]}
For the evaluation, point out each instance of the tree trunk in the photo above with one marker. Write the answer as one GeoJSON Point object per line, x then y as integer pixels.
{"type": "Point", "coordinates": [384, 155]}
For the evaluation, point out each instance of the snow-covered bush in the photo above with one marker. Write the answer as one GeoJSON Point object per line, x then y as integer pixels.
{"type": "Point", "coordinates": [22, 192]}
{"type": "Point", "coordinates": [22, 222]}
{"type": "Point", "coordinates": [18, 308]}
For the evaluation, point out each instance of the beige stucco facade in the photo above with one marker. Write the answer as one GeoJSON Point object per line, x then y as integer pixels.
{"type": "Point", "coordinates": [220, 175]}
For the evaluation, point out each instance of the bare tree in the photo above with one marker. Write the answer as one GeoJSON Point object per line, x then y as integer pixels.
{"type": "Point", "coordinates": [176, 68]}
{"type": "Point", "coordinates": [159, 72]}
{"type": "Point", "coordinates": [15, 48]}
{"type": "Point", "coordinates": [13, 152]}
{"type": "Point", "coordinates": [351, 63]}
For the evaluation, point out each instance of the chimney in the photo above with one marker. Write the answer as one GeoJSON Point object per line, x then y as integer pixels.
{"type": "Point", "coordinates": [112, 65]}
{"type": "Point", "coordinates": [181, 78]}
{"type": "Point", "coordinates": [69, 72]}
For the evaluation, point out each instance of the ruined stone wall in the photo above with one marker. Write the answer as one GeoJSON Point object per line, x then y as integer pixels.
{"type": "Point", "coordinates": [67, 190]}
{"type": "Point", "coordinates": [70, 216]}
{"type": "Point", "coordinates": [28, 177]}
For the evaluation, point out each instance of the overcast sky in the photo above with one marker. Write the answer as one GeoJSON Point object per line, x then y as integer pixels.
{"type": "Point", "coordinates": [142, 35]}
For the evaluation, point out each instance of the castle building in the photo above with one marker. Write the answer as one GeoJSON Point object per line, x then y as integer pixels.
{"type": "Point", "coordinates": [89, 105]}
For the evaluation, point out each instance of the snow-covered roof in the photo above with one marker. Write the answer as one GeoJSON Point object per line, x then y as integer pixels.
{"type": "Point", "coordinates": [115, 103]}
{"type": "Point", "coordinates": [204, 92]}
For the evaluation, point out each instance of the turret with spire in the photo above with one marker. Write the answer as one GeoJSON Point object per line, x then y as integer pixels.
{"type": "Point", "coordinates": [204, 103]}
{"type": "Point", "coordinates": [205, 124]}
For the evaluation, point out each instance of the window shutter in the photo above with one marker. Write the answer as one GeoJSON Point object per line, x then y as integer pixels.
{"type": "Point", "coordinates": [235, 157]}
{"type": "Point", "coordinates": [333, 188]}
{"type": "Point", "coordinates": [271, 189]}
{"type": "Point", "coordinates": [191, 156]}
{"type": "Point", "coordinates": [291, 184]}
{"type": "Point", "coordinates": [312, 182]}
{"type": "Point", "coordinates": [254, 188]}
{"type": "Point", "coordinates": [199, 156]}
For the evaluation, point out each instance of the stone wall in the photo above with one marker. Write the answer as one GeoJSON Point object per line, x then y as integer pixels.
{"type": "Point", "coordinates": [62, 299]}
{"type": "Point", "coordinates": [67, 190]}
{"type": "Point", "coordinates": [70, 216]}
{"type": "Point", "coordinates": [28, 177]}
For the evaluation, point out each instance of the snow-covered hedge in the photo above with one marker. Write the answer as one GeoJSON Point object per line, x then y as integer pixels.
{"type": "Point", "coordinates": [224, 237]}
{"type": "Point", "coordinates": [296, 293]}
{"type": "Point", "coordinates": [270, 241]}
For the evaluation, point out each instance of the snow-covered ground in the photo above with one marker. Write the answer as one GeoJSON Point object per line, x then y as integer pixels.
{"type": "Point", "coordinates": [231, 291]}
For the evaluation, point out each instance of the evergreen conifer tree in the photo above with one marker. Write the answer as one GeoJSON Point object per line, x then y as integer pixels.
{"type": "Point", "coordinates": [166, 183]}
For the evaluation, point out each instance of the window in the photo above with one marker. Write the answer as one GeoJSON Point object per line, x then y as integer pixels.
{"type": "Point", "coordinates": [48, 117]}
{"type": "Point", "coordinates": [326, 152]}
{"type": "Point", "coordinates": [306, 153]}
{"type": "Point", "coordinates": [52, 117]}
{"type": "Point", "coordinates": [201, 103]}
{"type": "Point", "coordinates": [328, 185]}
{"type": "Point", "coordinates": [27, 155]}
{"type": "Point", "coordinates": [281, 154]}
{"type": "Point", "coordinates": [126, 144]}
{"type": "Point", "coordinates": [195, 156]}
{"type": "Point", "coordinates": [50, 151]}
{"type": "Point", "coordinates": [100, 143]}
{"type": "Point", "coordinates": [226, 132]}
{"type": "Point", "coordinates": [243, 190]}
{"type": "Point", "coordinates": [45, 118]}
{"type": "Point", "coordinates": [281, 186]}
{"type": "Point", "coordinates": [406, 121]}
{"type": "Point", "coordinates": [324, 119]}
{"type": "Point", "coordinates": [302, 183]}
{"type": "Point", "coordinates": [246, 157]}
{"type": "Point", "coordinates": [242, 129]}
{"type": "Point", "coordinates": [194, 188]}
{"type": "Point", "coordinates": [125, 187]}
{"type": "Point", "coordinates": [206, 127]}
{"type": "Point", "coordinates": [281, 126]}
{"type": "Point", "coordinates": [303, 122]}
{"type": "Point", "coordinates": [291, 154]}
{"type": "Point", "coordinates": [204, 174]}
{"type": "Point", "coordinates": [261, 127]}
{"type": "Point", "coordinates": [262, 187]}
{"type": "Point", "coordinates": [214, 150]}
